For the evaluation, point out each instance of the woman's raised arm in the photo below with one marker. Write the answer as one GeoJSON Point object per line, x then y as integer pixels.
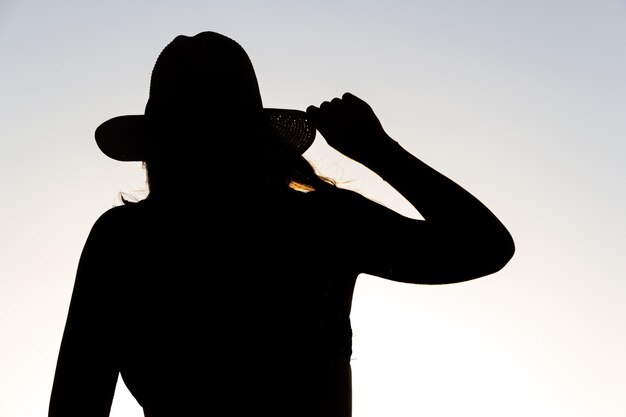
{"type": "Point", "coordinates": [459, 238]}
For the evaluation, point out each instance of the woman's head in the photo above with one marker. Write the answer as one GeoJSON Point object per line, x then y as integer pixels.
{"type": "Point", "coordinates": [205, 116]}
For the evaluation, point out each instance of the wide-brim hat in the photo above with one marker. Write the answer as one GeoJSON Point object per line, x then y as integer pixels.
{"type": "Point", "coordinates": [203, 79]}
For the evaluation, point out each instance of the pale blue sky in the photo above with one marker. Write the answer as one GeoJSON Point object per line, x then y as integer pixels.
{"type": "Point", "coordinates": [522, 103]}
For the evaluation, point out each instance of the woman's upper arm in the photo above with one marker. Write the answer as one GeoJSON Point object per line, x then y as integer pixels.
{"type": "Point", "coordinates": [379, 241]}
{"type": "Point", "coordinates": [87, 366]}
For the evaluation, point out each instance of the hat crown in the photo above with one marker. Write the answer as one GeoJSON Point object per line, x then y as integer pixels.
{"type": "Point", "coordinates": [208, 73]}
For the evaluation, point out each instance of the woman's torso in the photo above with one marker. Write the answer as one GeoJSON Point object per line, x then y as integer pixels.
{"type": "Point", "coordinates": [240, 306]}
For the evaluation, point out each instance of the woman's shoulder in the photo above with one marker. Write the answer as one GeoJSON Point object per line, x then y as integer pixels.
{"type": "Point", "coordinates": [121, 213]}
{"type": "Point", "coordinates": [118, 218]}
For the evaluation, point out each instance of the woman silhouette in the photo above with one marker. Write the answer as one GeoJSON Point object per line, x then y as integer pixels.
{"type": "Point", "coordinates": [228, 288]}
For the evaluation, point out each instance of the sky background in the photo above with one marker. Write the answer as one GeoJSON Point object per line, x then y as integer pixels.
{"type": "Point", "coordinates": [521, 102]}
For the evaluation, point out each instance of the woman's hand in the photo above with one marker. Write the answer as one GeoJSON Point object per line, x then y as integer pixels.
{"type": "Point", "coordinates": [351, 127]}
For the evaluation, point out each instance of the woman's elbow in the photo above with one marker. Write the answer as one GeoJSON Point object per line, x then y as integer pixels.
{"type": "Point", "coordinates": [491, 256]}
{"type": "Point", "coordinates": [504, 249]}
{"type": "Point", "coordinates": [479, 258]}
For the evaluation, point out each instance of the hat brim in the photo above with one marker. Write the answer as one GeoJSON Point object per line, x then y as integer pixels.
{"type": "Point", "coordinates": [128, 138]}
{"type": "Point", "coordinates": [124, 138]}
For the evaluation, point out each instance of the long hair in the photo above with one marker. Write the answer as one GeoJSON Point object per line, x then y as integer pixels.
{"type": "Point", "coordinates": [281, 168]}
{"type": "Point", "coordinates": [285, 168]}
